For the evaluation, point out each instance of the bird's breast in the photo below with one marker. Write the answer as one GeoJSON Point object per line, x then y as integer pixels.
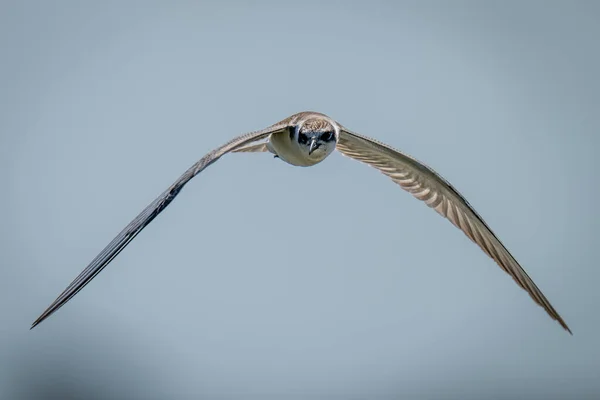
{"type": "Point", "coordinates": [290, 151]}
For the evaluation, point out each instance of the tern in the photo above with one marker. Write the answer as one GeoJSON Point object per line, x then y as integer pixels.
{"type": "Point", "coordinates": [305, 139]}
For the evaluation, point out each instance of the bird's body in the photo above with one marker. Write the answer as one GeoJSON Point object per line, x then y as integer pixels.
{"type": "Point", "coordinates": [293, 147]}
{"type": "Point", "coordinates": [306, 139]}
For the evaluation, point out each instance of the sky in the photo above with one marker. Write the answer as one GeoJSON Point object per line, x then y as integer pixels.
{"type": "Point", "coordinates": [268, 281]}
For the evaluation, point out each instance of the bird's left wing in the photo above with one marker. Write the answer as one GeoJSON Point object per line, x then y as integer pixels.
{"type": "Point", "coordinates": [428, 186]}
{"type": "Point", "coordinates": [150, 212]}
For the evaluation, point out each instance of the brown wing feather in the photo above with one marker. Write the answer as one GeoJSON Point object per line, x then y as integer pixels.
{"type": "Point", "coordinates": [426, 185]}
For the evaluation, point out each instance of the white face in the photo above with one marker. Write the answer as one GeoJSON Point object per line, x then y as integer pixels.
{"type": "Point", "coordinates": [316, 139]}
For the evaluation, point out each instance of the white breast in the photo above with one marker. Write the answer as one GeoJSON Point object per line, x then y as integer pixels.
{"type": "Point", "coordinates": [290, 152]}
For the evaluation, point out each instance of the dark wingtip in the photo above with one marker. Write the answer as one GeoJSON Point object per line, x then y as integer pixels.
{"type": "Point", "coordinates": [568, 329]}
{"type": "Point", "coordinates": [563, 324]}
{"type": "Point", "coordinates": [37, 322]}
{"type": "Point", "coordinates": [42, 317]}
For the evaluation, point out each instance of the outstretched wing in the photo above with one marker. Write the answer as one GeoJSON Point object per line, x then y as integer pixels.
{"type": "Point", "coordinates": [426, 185]}
{"type": "Point", "coordinates": [149, 213]}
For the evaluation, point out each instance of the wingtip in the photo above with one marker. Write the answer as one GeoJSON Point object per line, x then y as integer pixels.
{"type": "Point", "coordinates": [35, 323]}
{"type": "Point", "coordinates": [569, 330]}
{"type": "Point", "coordinates": [564, 325]}
{"type": "Point", "coordinates": [40, 319]}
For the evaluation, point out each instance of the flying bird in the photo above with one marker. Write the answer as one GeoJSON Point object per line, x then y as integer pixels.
{"type": "Point", "coordinates": [306, 139]}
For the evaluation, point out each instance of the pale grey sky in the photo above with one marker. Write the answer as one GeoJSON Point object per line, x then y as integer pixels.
{"type": "Point", "coordinates": [104, 104]}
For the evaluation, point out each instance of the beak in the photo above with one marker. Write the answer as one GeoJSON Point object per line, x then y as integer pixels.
{"type": "Point", "coordinates": [313, 145]}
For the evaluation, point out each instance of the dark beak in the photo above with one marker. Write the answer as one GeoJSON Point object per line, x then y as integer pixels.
{"type": "Point", "coordinates": [313, 145]}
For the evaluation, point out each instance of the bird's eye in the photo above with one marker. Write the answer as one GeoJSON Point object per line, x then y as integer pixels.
{"type": "Point", "coordinates": [302, 138]}
{"type": "Point", "coordinates": [327, 136]}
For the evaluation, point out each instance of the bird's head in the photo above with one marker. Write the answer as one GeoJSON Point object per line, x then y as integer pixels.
{"type": "Point", "coordinates": [316, 137]}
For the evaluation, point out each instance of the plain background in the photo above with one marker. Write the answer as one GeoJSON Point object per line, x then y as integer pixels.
{"type": "Point", "coordinates": [267, 281]}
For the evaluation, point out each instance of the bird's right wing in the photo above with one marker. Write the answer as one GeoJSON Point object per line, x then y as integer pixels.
{"type": "Point", "coordinates": [253, 148]}
{"type": "Point", "coordinates": [150, 212]}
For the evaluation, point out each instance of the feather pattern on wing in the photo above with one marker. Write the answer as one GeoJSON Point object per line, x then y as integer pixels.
{"type": "Point", "coordinates": [150, 212]}
{"type": "Point", "coordinates": [428, 186]}
{"type": "Point", "coordinates": [253, 148]}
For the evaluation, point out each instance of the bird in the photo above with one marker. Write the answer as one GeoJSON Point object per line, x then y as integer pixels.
{"type": "Point", "coordinates": [305, 139]}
